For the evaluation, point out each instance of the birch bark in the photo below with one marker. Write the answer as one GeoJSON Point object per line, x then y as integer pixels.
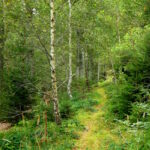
{"type": "Point", "coordinates": [70, 52]}
{"type": "Point", "coordinates": [52, 63]}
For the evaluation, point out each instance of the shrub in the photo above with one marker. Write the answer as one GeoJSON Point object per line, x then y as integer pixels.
{"type": "Point", "coordinates": [120, 100]}
{"type": "Point", "coordinates": [66, 110]}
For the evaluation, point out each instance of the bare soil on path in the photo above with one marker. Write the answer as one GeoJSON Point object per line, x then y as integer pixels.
{"type": "Point", "coordinates": [4, 126]}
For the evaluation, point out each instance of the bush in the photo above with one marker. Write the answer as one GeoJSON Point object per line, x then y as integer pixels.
{"type": "Point", "coordinates": [120, 100]}
{"type": "Point", "coordinates": [18, 98]}
{"type": "Point", "coordinates": [66, 110]}
{"type": "Point", "coordinates": [132, 70]}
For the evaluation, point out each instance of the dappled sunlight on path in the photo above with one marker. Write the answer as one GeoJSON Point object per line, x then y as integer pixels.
{"type": "Point", "coordinates": [96, 135]}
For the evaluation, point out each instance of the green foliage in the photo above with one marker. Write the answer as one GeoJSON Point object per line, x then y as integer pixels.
{"type": "Point", "coordinates": [129, 97]}
{"type": "Point", "coordinates": [121, 99]}
{"type": "Point", "coordinates": [28, 136]}
{"type": "Point", "coordinates": [140, 112]}
{"type": "Point", "coordinates": [133, 75]}
{"type": "Point", "coordinates": [85, 104]}
{"type": "Point", "coordinates": [14, 139]}
{"type": "Point", "coordinates": [66, 110]}
{"type": "Point", "coordinates": [18, 97]}
{"type": "Point", "coordinates": [139, 140]}
{"type": "Point", "coordinates": [110, 39]}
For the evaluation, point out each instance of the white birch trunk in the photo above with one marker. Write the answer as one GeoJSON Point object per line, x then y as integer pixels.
{"type": "Point", "coordinates": [52, 64]}
{"type": "Point", "coordinates": [70, 52]}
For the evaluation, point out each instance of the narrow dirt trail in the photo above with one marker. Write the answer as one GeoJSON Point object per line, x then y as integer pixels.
{"type": "Point", "coordinates": [97, 135]}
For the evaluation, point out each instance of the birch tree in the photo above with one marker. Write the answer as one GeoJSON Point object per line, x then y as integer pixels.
{"type": "Point", "coordinates": [70, 52]}
{"type": "Point", "coordinates": [52, 63]}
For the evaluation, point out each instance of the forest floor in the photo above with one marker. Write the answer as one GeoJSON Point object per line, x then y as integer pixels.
{"type": "Point", "coordinates": [4, 126]}
{"type": "Point", "coordinates": [89, 129]}
{"type": "Point", "coordinates": [98, 134]}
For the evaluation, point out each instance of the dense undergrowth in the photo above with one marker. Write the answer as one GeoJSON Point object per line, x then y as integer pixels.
{"type": "Point", "coordinates": [129, 97]}
{"type": "Point", "coordinates": [27, 135]}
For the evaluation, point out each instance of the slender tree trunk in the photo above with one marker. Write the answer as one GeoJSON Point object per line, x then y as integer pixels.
{"type": "Point", "coordinates": [98, 71]}
{"type": "Point", "coordinates": [117, 25]}
{"type": "Point", "coordinates": [52, 64]}
{"type": "Point", "coordinates": [114, 72]}
{"type": "Point", "coordinates": [83, 64]}
{"type": "Point", "coordinates": [90, 70]}
{"type": "Point", "coordinates": [104, 68]}
{"type": "Point", "coordinates": [70, 52]}
{"type": "Point", "coordinates": [87, 71]}
{"type": "Point", "coordinates": [78, 55]}
{"type": "Point", "coordinates": [77, 64]}
{"type": "Point", "coordinates": [2, 41]}
{"type": "Point", "coordinates": [80, 63]}
{"type": "Point", "coordinates": [113, 68]}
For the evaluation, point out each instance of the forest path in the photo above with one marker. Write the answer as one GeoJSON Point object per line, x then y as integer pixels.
{"type": "Point", "coordinates": [97, 135]}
